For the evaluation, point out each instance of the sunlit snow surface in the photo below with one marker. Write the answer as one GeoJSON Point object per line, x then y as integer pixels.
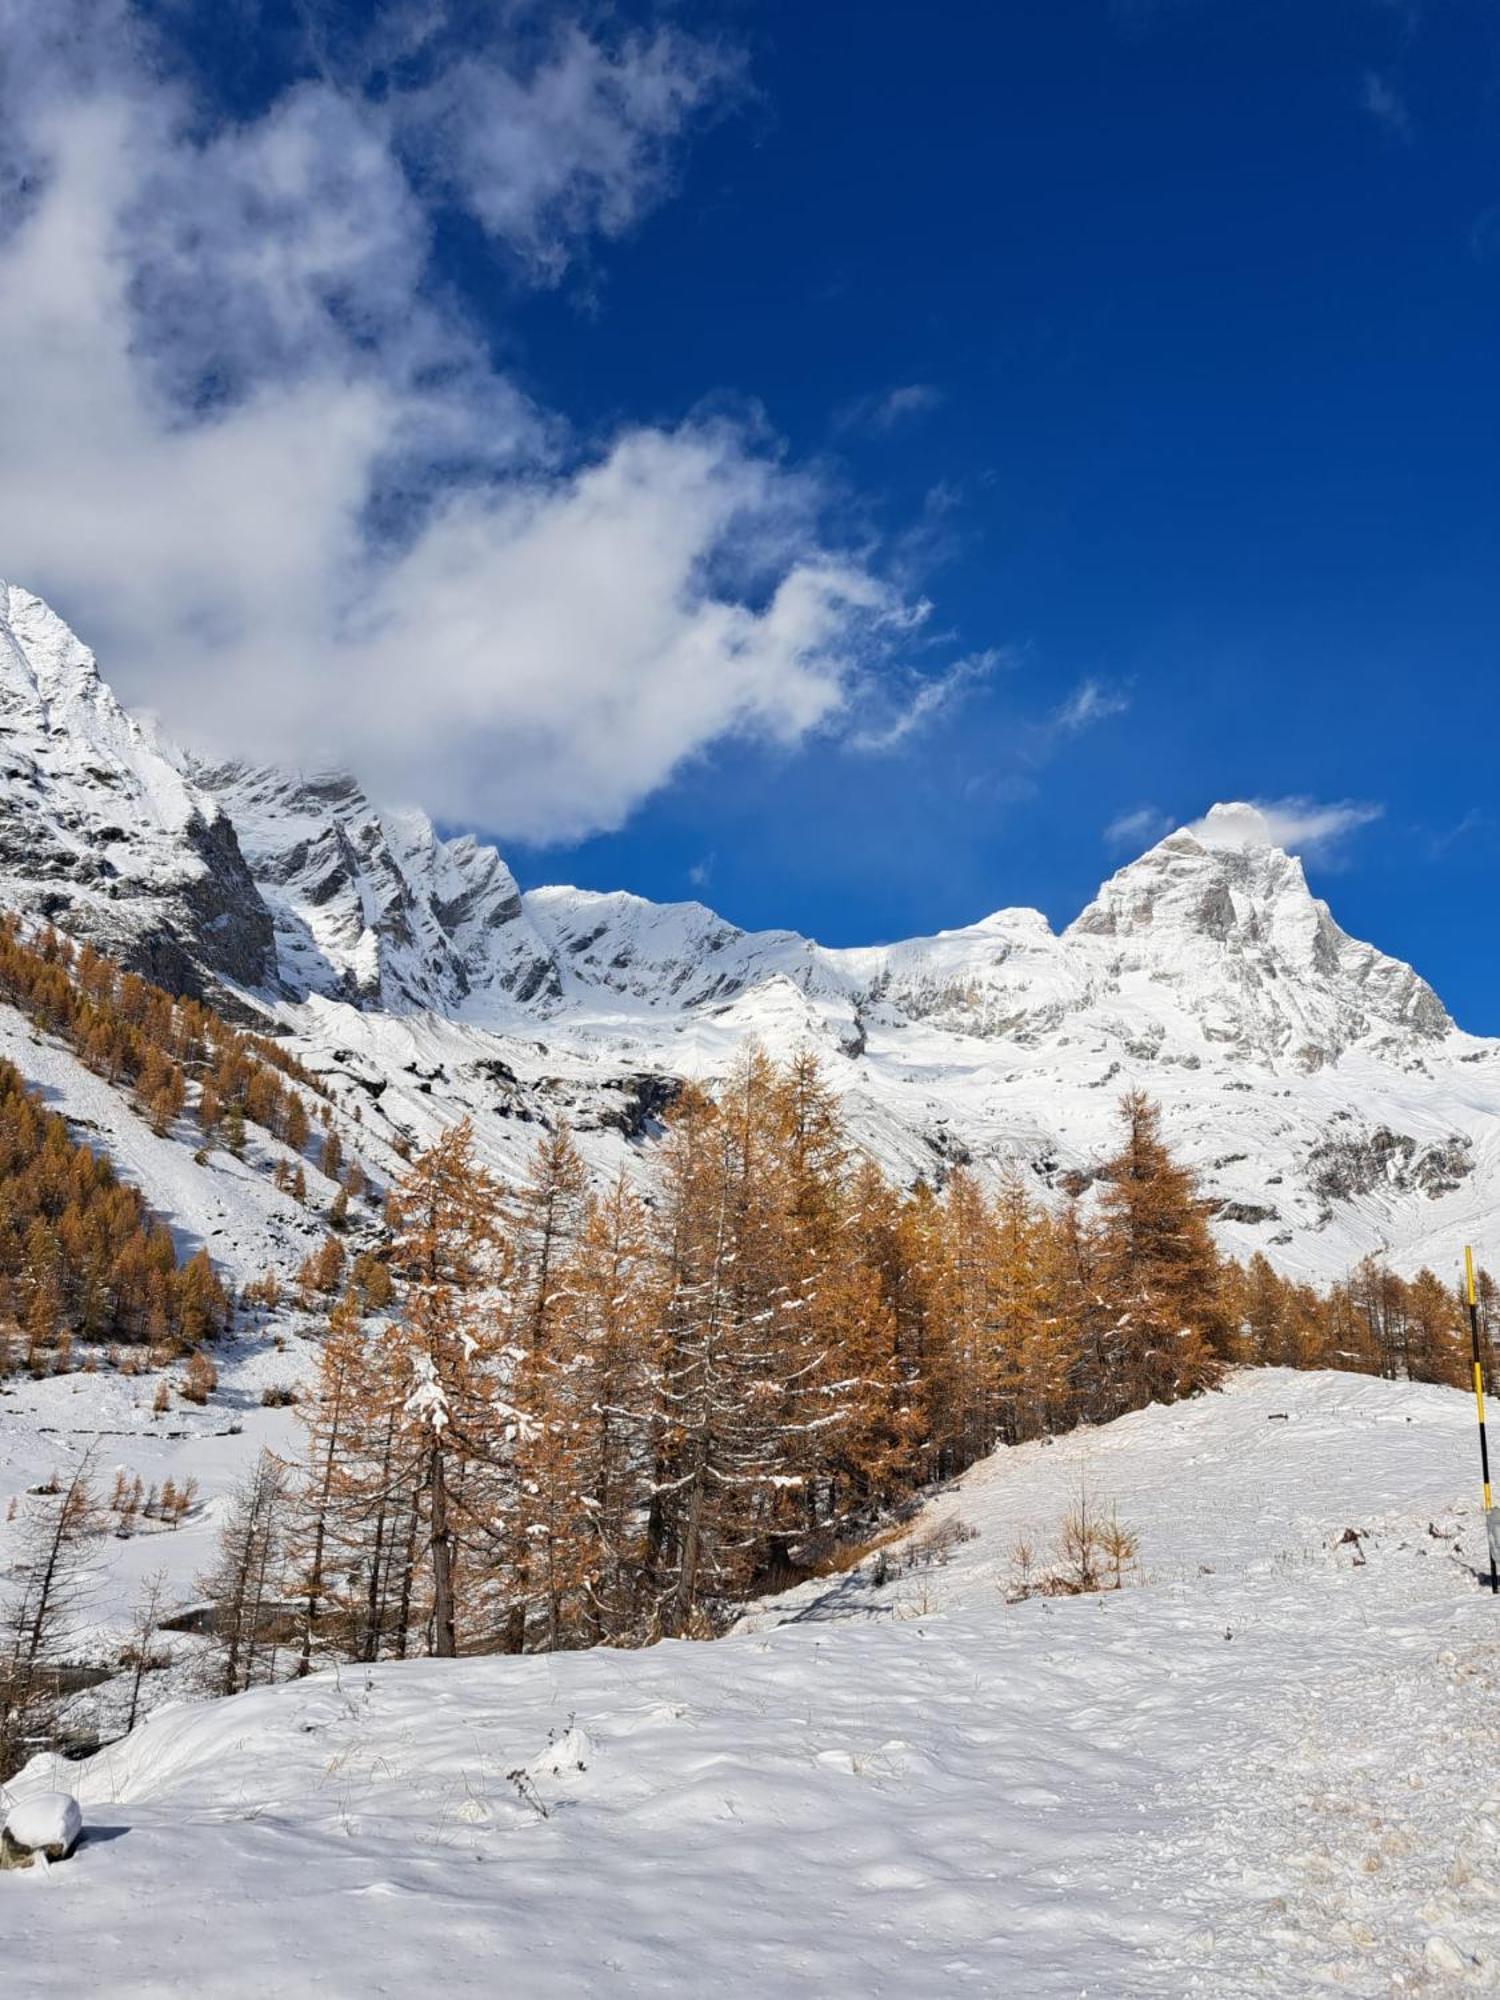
{"type": "Point", "coordinates": [1264, 1770]}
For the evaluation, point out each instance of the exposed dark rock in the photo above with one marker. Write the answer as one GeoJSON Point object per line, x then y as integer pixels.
{"type": "Point", "coordinates": [1243, 1211]}
{"type": "Point", "coordinates": [647, 1098]}
{"type": "Point", "coordinates": [1341, 1168]}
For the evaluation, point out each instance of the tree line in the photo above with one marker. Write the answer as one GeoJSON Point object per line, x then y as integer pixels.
{"type": "Point", "coordinates": [137, 1036]}
{"type": "Point", "coordinates": [601, 1416]}
{"type": "Point", "coordinates": [81, 1255]}
{"type": "Point", "coordinates": [81, 1258]}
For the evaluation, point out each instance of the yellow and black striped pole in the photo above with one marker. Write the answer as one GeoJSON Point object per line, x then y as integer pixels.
{"type": "Point", "coordinates": [1491, 1529]}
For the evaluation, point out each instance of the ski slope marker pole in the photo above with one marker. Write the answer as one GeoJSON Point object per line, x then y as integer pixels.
{"type": "Point", "coordinates": [1491, 1528]}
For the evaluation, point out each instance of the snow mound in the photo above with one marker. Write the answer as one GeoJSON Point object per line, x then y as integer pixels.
{"type": "Point", "coordinates": [45, 1822]}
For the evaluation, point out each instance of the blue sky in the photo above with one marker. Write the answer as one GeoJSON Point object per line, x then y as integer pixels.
{"type": "Point", "coordinates": [1217, 362]}
{"type": "Point", "coordinates": [1118, 382]}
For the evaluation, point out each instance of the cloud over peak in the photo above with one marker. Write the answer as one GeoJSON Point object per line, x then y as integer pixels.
{"type": "Point", "coordinates": [1301, 825]}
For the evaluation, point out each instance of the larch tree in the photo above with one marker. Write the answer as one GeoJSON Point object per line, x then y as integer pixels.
{"type": "Point", "coordinates": [543, 1215]}
{"type": "Point", "coordinates": [47, 1591]}
{"type": "Point", "coordinates": [331, 1416]}
{"type": "Point", "coordinates": [716, 1388]}
{"type": "Point", "coordinates": [593, 1399]}
{"type": "Point", "coordinates": [1033, 1357]}
{"type": "Point", "coordinates": [962, 1344]}
{"type": "Point", "coordinates": [844, 1423]}
{"type": "Point", "coordinates": [444, 1342]}
{"type": "Point", "coordinates": [243, 1588]}
{"type": "Point", "coordinates": [544, 1212]}
{"type": "Point", "coordinates": [1158, 1268]}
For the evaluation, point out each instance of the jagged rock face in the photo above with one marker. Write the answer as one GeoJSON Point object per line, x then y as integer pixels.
{"type": "Point", "coordinates": [1357, 1163]}
{"type": "Point", "coordinates": [1232, 931]}
{"type": "Point", "coordinates": [375, 908]}
{"type": "Point", "coordinates": [1208, 946]}
{"type": "Point", "coordinates": [102, 833]}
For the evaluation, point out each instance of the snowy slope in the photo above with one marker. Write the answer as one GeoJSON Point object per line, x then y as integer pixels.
{"type": "Point", "coordinates": [1265, 1770]}
{"type": "Point", "coordinates": [225, 1205]}
{"type": "Point", "coordinates": [47, 1425]}
{"type": "Point", "coordinates": [1329, 1105]}
{"type": "Point", "coordinates": [229, 1207]}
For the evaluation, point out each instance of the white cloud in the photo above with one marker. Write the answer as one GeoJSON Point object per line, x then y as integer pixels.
{"type": "Point", "coordinates": [1385, 104]}
{"type": "Point", "coordinates": [262, 462]}
{"type": "Point", "coordinates": [582, 142]}
{"type": "Point", "coordinates": [1090, 702]}
{"type": "Point", "coordinates": [1139, 829]}
{"type": "Point", "coordinates": [1302, 825]}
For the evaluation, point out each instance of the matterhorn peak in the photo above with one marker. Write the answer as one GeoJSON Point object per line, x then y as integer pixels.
{"type": "Point", "coordinates": [1223, 877]}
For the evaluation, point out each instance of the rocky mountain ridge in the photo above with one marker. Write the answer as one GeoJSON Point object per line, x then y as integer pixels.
{"type": "Point", "coordinates": [1317, 1084]}
{"type": "Point", "coordinates": [101, 829]}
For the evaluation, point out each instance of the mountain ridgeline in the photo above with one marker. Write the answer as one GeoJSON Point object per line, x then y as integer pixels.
{"type": "Point", "coordinates": [1317, 1087]}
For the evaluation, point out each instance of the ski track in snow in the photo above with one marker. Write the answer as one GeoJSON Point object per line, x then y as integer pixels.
{"type": "Point", "coordinates": [1265, 1769]}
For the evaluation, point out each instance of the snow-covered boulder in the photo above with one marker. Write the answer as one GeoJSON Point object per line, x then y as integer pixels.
{"type": "Point", "coordinates": [48, 1823]}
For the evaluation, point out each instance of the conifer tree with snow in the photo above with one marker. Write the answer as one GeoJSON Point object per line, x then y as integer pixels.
{"type": "Point", "coordinates": [583, 1458]}
{"type": "Point", "coordinates": [542, 1217]}
{"type": "Point", "coordinates": [327, 1516]}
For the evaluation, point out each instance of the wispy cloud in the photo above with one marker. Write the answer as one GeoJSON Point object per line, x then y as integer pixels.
{"type": "Point", "coordinates": [1091, 701]}
{"type": "Point", "coordinates": [891, 409]}
{"type": "Point", "coordinates": [1138, 829]}
{"type": "Point", "coordinates": [544, 156]}
{"type": "Point", "coordinates": [930, 700]}
{"type": "Point", "coordinates": [1301, 825]}
{"type": "Point", "coordinates": [1385, 104]}
{"type": "Point", "coordinates": [1465, 827]}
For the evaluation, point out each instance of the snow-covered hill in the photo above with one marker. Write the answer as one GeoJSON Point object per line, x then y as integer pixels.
{"type": "Point", "coordinates": [1266, 1768]}
{"type": "Point", "coordinates": [1318, 1087]}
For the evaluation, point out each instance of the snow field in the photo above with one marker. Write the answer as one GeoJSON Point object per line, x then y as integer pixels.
{"type": "Point", "coordinates": [1266, 1769]}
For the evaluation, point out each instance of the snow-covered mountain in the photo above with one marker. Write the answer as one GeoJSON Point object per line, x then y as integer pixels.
{"type": "Point", "coordinates": [99, 826]}
{"type": "Point", "coordinates": [375, 908]}
{"type": "Point", "coordinates": [1318, 1086]}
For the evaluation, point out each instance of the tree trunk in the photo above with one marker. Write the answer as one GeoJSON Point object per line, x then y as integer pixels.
{"type": "Point", "coordinates": [315, 1575]}
{"type": "Point", "coordinates": [443, 1641]}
